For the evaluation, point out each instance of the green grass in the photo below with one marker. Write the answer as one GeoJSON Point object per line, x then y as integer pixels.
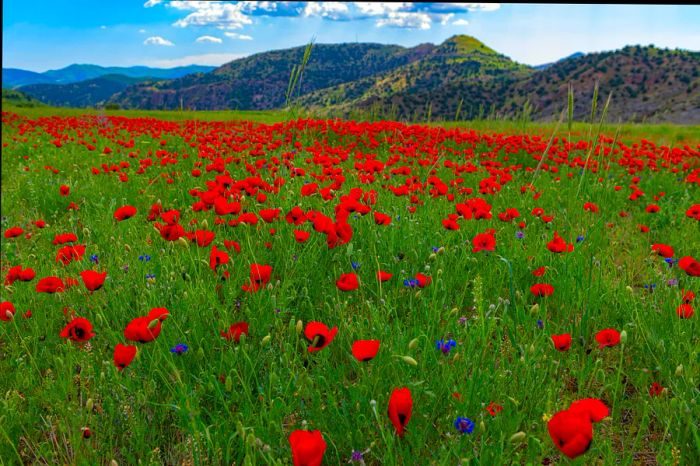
{"type": "Point", "coordinates": [224, 403]}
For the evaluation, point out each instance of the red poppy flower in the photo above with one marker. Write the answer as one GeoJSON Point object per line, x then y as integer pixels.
{"type": "Point", "coordinates": [542, 289]}
{"type": "Point", "coordinates": [690, 266]}
{"type": "Point", "coordinates": [423, 280]}
{"type": "Point", "coordinates": [591, 408]}
{"type": "Point", "coordinates": [93, 280]}
{"type": "Point", "coordinates": [16, 273]}
{"type": "Point", "coordinates": [308, 447]}
{"type": "Point", "coordinates": [318, 335]}
{"type": "Point", "coordinates": [26, 275]}
{"type": "Point", "coordinates": [269, 215]}
{"type": "Point", "coordinates": [494, 409]}
{"type": "Point", "coordinates": [64, 238]}
{"type": "Point", "coordinates": [64, 190]}
{"type": "Point", "coordinates": [50, 285]}
{"type": "Point", "coordinates": [655, 389]}
{"type": "Point", "coordinates": [145, 329]}
{"type": "Point", "coordinates": [301, 236]}
{"type": "Point", "coordinates": [13, 232]}
{"type": "Point", "coordinates": [652, 209]}
{"type": "Point", "coordinates": [381, 219]}
{"type": "Point", "coordinates": [295, 216]}
{"type": "Point", "coordinates": [217, 258]}
{"type": "Point", "coordinates": [228, 244]}
{"type": "Point", "coordinates": [171, 217]}
{"type": "Point", "coordinates": [591, 207]}
{"type": "Point", "coordinates": [608, 337]}
{"type": "Point", "coordinates": [685, 311]}
{"type": "Point", "coordinates": [484, 241]}
{"type": "Point", "coordinates": [643, 228]}
{"type": "Point", "coordinates": [558, 245]}
{"type": "Point", "coordinates": [693, 212]}
{"type": "Point", "coordinates": [365, 350]}
{"type": "Point", "coordinates": [68, 254]}
{"type": "Point", "coordinates": [79, 329]}
{"type": "Point", "coordinates": [123, 355]}
{"type": "Point", "coordinates": [347, 282]}
{"type": "Point", "coordinates": [203, 238]}
{"type": "Point", "coordinates": [663, 250]}
{"type": "Point", "coordinates": [688, 296]}
{"type": "Point", "coordinates": [39, 223]}
{"type": "Point", "coordinates": [562, 342]}
{"type": "Point", "coordinates": [538, 272]}
{"type": "Point", "coordinates": [124, 212]}
{"type": "Point", "coordinates": [571, 432]}
{"type": "Point", "coordinates": [7, 311]}
{"type": "Point", "coordinates": [235, 331]}
{"type": "Point", "coordinates": [400, 409]}
{"type": "Point", "coordinates": [383, 276]}
{"type": "Point", "coordinates": [259, 277]}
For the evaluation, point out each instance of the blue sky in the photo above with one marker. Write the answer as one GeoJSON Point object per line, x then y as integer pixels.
{"type": "Point", "coordinates": [48, 34]}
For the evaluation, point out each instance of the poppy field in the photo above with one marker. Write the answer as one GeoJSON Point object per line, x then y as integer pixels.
{"type": "Point", "coordinates": [324, 291]}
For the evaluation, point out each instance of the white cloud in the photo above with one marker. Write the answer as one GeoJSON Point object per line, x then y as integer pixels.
{"type": "Point", "coordinates": [157, 40]}
{"type": "Point", "coordinates": [460, 22]}
{"type": "Point", "coordinates": [211, 59]}
{"type": "Point", "coordinates": [142, 31]}
{"type": "Point", "coordinates": [221, 15]}
{"type": "Point", "coordinates": [381, 8]}
{"type": "Point", "coordinates": [235, 35]}
{"type": "Point", "coordinates": [404, 19]}
{"type": "Point", "coordinates": [151, 3]}
{"type": "Point", "coordinates": [212, 39]}
{"type": "Point", "coordinates": [481, 6]}
{"type": "Point", "coordinates": [103, 27]}
{"type": "Point", "coordinates": [329, 10]}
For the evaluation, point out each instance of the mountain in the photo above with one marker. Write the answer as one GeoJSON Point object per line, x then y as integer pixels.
{"type": "Point", "coordinates": [13, 77]}
{"type": "Point", "coordinates": [260, 81]}
{"type": "Point", "coordinates": [647, 83]}
{"type": "Point", "coordinates": [461, 67]}
{"type": "Point", "coordinates": [88, 93]}
{"type": "Point", "coordinates": [19, 99]}
{"type": "Point", "coordinates": [547, 65]}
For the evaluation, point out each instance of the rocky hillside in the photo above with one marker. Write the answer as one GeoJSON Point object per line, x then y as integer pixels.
{"type": "Point", "coordinates": [89, 93]}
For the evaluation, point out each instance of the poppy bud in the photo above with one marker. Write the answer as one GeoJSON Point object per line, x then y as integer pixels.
{"type": "Point", "coordinates": [266, 339]}
{"type": "Point", "coordinates": [456, 357]}
{"type": "Point", "coordinates": [183, 242]}
{"type": "Point", "coordinates": [623, 337]}
{"type": "Point", "coordinates": [413, 343]}
{"type": "Point", "coordinates": [517, 437]}
{"type": "Point", "coordinates": [250, 439]}
{"type": "Point", "coordinates": [204, 224]}
{"type": "Point", "coordinates": [409, 360]}
{"type": "Point", "coordinates": [229, 383]}
{"type": "Point", "coordinates": [300, 326]}
{"type": "Point", "coordinates": [535, 307]}
{"type": "Point", "coordinates": [153, 323]}
{"type": "Point", "coordinates": [113, 463]}
{"type": "Point", "coordinates": [89, 404]}
{"type": "Point", "coordinates": [127, 248]}
{"type": "Point", "coordinates": [482, 426]}
{"type": "Point", "coordinates": [629, 288]}
{"type": "Point", "coordinates": [679, 370]}
{"type": "Point", "coordinates": [86, 231]}
{"type": "Point", "coordinates": [432, 257]}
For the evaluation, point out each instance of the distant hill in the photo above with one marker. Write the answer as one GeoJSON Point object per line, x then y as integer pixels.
{"type": "Point", "coordinates": [547, 65]}
{"type": "Point", "coordinates": [19, 99]}
{"type": "Point", "coordinates": [88, 93]}
{"type": "Point", "coordinates": [13, 77]}
{"type": "Point", "coordinates": [260, 81]}
{"type": "Point", "coordinates": [647, 83]}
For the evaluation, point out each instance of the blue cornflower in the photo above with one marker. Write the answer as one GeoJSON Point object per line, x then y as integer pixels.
{"type": "Point", "coordinates": [180, 348]}
{"type": "Point", "coordinates": [436, 249]}
{"type": "Point", "coordinates": [670, 261]}
{"type": "Point", "coordinates": [464, 425]}
{"type": "Point", "coordinates": [540, 324]}
{"type": "Point", "coordinates": [150, 276]}
{"type": "Point", "coordinates": [355, 265]}
{"type": "Point", "coordinates": [145, 258]}
{"type": "Point", "coordinates": [410, 283]}
{"type": "Point", "coordinates": [580, 238]}
{"type": "Point", "coordinates": [95, 259]}
{"type": "Point", "coordinates": [650, 286]}
{"type": "Point", "coordinates": [673, 282]}
{"type": "Point", "coordinates": [445, 347]}
{"type": "Point", "coordinates": [520, 234]}
{"type": "Point", "coordinates": [357, 456]}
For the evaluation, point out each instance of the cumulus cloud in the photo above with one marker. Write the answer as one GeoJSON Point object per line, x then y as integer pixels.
{"type": "Point", "coordinates": [210, 59]}
{"type": "Point", "coordinates": [460, 22]}
{"type": "Point", "coordinates": [330, 10]}
{"type": "Point", "coordinates": [157, 40]}
{"type": "Point", "coordinates": [412, 15]}
{"type": "Point", "coordinates": [211, 39]}
{"type": "Point", "coordinates": [235, 35]}
{"type": "Point", "coordinates": [151, 3]}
